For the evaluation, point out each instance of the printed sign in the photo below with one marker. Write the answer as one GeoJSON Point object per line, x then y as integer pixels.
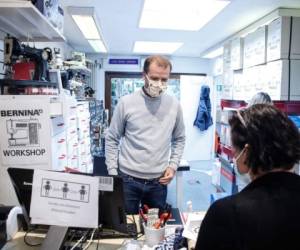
{"type": "Point", "coordinates": [25, 126]}
{"type": "Point", "coordinates": [64, 199]}
{"type": "Point", "coordinates": [65, 190]}
{"type": "Point", "coordinates": [129, 61]}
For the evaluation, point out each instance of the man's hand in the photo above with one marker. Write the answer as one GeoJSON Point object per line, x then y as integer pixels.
{"type": "Point", "coordinates": [168, 176]}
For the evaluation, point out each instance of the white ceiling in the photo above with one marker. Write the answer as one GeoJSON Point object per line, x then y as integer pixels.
{"type": "Point", "coordinates": [119, 21]}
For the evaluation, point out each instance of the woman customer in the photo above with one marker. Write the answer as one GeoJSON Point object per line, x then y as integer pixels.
{"type": "Point", "coordinates": [259, 98]}
{"type": "Point", "coordinates": [265, 214]}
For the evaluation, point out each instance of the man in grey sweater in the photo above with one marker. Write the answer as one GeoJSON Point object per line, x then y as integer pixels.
{"type": "Point", "coordinates": [146, 138]}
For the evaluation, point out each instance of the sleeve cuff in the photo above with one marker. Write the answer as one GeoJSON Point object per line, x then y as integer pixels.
{"type": "Point", "coordinates": [113, 171]}
{"type": "Point", "coordinates": [173, 166]}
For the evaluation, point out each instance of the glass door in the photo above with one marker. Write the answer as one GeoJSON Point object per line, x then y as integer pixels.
{"type": "Point", "coordinates": [124, 83]}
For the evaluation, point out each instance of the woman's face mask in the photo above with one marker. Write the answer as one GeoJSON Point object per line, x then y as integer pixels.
{"type": "Point", "coordinates": [243, 179]}
{"type": "Point", "coordinates": [235, 159]}
{"type": "Point", "coordinates": [155, 88]}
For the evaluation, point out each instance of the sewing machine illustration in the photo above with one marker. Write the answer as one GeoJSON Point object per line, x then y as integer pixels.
{"type": "Point", "coordinates": [23, 132]}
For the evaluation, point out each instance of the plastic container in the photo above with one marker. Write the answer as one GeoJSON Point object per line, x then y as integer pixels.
{"type": "Point", "coordinates": [189, 205]}
{"type": "Point", "coordinates": [153, 236]}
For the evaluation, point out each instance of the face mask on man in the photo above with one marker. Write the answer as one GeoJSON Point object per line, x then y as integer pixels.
{"type": "Point", "coordinates": [243, 179]}
{"type": "Point", "coordinates": [155, 88]}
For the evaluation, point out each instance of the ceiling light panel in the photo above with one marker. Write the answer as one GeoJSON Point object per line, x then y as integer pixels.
{"type": "Point", "coordinates": [155, 47]}
{"type": "Point", "coordinates": [87, 26]}
{"type": "Point", "coordinates": [190, 15]}
{"type": "Point", "coordinates": [98, 46]}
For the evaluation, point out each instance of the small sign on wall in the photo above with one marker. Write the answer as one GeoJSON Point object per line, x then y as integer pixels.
{"type": "Point", "coordinates": [124, 61]}
{"type": "Point", "coordinates": [25, 131]}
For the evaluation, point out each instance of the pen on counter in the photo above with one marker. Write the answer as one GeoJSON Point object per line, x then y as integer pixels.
{"type": "Point", "coordinates": [143, 216]}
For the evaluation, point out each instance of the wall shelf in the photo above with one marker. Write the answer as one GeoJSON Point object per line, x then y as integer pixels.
{"type": "Point", "coordinates": [24, 21]}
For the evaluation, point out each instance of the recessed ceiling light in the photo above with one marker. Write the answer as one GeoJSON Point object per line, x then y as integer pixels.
{"type": "Point", "coordinates": [189, 15]}
{"type": "Point", "coordinates": [98, 45]}
{"type": "Point", "coordinates": [215, 53]}
{"type": "Point", "coordinates": [87, 26]}
{"type": "Point", "coordinates": [156, 47]}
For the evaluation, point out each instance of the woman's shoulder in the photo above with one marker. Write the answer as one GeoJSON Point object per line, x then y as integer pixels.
{"type": "Point", "coordinates": [223, 207]}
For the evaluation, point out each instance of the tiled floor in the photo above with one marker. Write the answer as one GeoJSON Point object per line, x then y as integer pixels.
{"type": "Point", "coordinates": [197, 186]}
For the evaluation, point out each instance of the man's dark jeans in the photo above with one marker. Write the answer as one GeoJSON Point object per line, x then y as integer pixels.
{"type": "Point", "coordinates": [142, 191]}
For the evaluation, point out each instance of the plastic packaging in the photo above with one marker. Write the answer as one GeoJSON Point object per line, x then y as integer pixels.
{"type": "Point", "coordinates": [189, 205]}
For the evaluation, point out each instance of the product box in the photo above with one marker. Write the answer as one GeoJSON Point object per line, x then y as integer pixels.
{"type": "Point", "coordinates": [237, 47]}
{"type": "Point", "coordinates": [255, 47]}
{"type": "Point", "coordinates": [228, 179]}
{"type": "Point", "coordinates": [53, 12]}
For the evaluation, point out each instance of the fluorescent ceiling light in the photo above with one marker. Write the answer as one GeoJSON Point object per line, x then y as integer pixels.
{"type": "Point", "coordinates": [87, 26]}
{"type": "Point", "coordinates": [215, 53]}
{"type": "Point", "coordinates": [155, 47]}
{"type": "Point", "coordinates": [189, 15]}
{"type": "Point", "coordinates": [98, 45]}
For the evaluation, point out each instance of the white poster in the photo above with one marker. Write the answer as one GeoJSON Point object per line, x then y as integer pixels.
{"type": "Point", "coordinates": [64, 199]}
{"type": "Point", "coordinates": [25, 130]}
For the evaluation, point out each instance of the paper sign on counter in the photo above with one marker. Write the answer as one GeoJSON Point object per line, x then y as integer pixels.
{"type": "Point", "coordinates": [64, 199]}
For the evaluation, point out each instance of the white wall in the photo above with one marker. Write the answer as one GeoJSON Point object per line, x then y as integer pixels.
{"type": "Point", "coordinates": [199, 144]}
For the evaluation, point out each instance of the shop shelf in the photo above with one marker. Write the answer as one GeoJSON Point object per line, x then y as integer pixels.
{"type": "Point", "coordinates": [24, 21]}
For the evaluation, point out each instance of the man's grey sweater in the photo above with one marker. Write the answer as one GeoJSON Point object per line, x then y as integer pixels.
{"type": "Point", "coordinates": [140, 135]}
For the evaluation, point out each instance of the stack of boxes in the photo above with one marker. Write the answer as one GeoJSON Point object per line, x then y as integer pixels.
{"type": "Point", "coordinates": [59, 143]}
{"type": "Point", "coordinates": [72, 138]}
{"type": "Point", "coordinates": [85, 162]}
{"type": "Point", "coordinates": [265, 59]}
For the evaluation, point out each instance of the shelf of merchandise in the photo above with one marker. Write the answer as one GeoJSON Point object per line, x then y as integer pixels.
{"type": "Point", "coordinates": [225, 154]}
{"type": "Point", "coordinates": [24, 21]}
{"type": "Point", "coordinates": [227, 106]}
{"type": "Point", "coordinates": [75, 68]}
{"type": "Point", "coordinates": [227, 150]}
{"type": "Point", "coordinates": [288, 107]}
{"type": "Point", "coordinates": [291, 108]}
{"type": "Point", "coordinates": [232, 104]}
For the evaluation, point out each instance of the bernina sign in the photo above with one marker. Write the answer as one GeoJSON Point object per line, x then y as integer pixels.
{"type": "Point", "coordinates": [24, 112]}
{"type": "Point", "coordinates": [25, 126]}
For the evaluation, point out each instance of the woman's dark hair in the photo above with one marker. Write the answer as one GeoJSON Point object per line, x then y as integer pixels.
{"type": "Point", "coordinates": [273, 139]}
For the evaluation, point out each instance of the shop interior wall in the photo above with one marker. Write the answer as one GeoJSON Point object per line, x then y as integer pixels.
{"type": "Point", "coordinates": [199, 144]}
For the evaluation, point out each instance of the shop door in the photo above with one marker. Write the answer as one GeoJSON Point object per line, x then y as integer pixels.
{"type": "Point", "coordinates": [124, 83]}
